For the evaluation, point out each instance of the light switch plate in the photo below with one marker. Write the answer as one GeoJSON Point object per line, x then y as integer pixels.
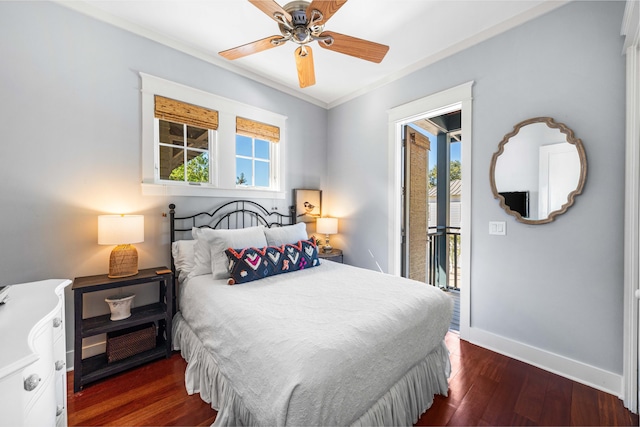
{"type": "Point", "coordinates": [497, 228]}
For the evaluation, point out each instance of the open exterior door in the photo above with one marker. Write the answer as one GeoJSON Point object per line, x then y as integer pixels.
{"type": "Point", "coordinates": [416, 206]}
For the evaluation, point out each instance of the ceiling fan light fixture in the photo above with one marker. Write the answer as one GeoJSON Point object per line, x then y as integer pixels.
{"type": "Point", "coordinates": [301, 35]}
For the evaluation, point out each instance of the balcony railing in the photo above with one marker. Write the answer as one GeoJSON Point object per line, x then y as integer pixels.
{"type": "Point", "coordinates": [438, 269]}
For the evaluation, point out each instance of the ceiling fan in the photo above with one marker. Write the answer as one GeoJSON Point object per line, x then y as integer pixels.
{"type": "Point", "coordinates": [302, 22]}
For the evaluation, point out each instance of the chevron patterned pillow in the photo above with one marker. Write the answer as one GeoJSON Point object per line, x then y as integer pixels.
{"type": "Point", "coordinates": [248, 264]}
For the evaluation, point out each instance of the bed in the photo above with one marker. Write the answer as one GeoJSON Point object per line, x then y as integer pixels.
{"type": "Point", "coordinates": [324, 344]}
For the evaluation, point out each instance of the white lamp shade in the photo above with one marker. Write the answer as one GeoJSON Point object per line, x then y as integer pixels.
{"type": "Point", "coordinates": [120, 229]}
{"type": "Point", "coordinates": [327, 225]}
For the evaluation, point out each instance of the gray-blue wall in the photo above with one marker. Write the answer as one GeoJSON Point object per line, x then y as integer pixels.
{"type": "Point", "coordinates": [71, 140]}
{"type": "Point", "coordinates": [557, 287]}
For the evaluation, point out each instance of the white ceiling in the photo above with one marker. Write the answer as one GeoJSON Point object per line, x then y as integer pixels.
{"type": "Point", "coordinates": [418, 32]}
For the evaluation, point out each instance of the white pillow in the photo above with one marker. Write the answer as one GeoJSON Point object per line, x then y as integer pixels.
{"type": "Point", "coordinates": [211, 244]}
{"type": "Point", "coordinates": [183, 252]}
{"type": "Point", "coordinates": [278, 236]}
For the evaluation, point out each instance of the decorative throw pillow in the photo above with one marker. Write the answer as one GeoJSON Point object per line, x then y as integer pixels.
{"type": "Point", "coordinates": [299, 256]}
{"type": "Point", "coordinates": [278, 236]}
{"type": "Point", "coordinates": [248, 264]}
{"type": "Point", "coordinates": [211, 244]}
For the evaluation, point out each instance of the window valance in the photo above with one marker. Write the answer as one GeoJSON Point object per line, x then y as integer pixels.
{"type": "Point", "coordinates": [181, 112]}
{"type": "Point", "coordinates": [253, 129]}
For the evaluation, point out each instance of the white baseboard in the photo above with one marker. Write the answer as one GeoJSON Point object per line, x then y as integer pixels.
{"type": "Point", "coordinates": [87, 351]}
{"type": "Point", "coordinates": [597, 378]}
{"type": "Point", "coordinates": [69, 360]}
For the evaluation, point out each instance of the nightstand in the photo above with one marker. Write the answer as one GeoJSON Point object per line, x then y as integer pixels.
{"type": "Point", "coordinates": [159, 313]}
{"type": "Point", "coordinates": [335, 255]}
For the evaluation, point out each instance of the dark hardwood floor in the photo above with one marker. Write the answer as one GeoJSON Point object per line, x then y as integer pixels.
{"type": "Point", "coordinates": [485, 389]}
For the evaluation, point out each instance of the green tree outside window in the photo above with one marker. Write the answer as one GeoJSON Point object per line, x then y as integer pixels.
{"type": "Point", "coordinates": [197, 170]}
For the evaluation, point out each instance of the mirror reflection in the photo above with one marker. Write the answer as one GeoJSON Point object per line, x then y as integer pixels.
{"type": "Point", "coordinates": [538, 170]}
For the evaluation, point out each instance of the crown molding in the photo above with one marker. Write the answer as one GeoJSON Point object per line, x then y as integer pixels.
{"type": "Point", "coordinates": [100, 15]}
{"type": "Point", "coordinates": [535, 12]}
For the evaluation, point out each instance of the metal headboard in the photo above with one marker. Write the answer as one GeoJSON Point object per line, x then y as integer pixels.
{"type": "Point", "coordinates": [231, 215]}
{"type": "Point", "coordinates": [234, 214]}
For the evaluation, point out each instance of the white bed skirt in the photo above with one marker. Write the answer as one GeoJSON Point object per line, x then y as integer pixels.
{"type": "Point", "coordinates": [402, 405]}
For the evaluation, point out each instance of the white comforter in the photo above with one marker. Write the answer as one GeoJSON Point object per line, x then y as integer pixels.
{"type": "Point", "coordinates": [318, 346]}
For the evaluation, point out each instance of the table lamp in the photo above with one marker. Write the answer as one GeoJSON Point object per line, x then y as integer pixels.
{"type": "Point", "coordinates": [327, 226]}
{"type": "Point", "coordinates": [121, 230]}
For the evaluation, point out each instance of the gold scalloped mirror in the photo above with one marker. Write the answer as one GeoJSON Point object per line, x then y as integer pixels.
{"type": "Point", "coordinates": [538, 170]}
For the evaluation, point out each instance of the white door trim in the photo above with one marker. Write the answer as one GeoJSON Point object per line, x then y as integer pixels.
{"type": "Point", "coordinates": [458, 97]}
{"type": "Point", "coordinates": [631, 29]}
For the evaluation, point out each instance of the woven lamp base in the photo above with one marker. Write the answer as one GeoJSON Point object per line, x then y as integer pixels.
{"type": "Point", "coordinates": [123, 261]}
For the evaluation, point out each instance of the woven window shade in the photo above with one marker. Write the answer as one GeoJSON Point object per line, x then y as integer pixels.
{"type": "Point", "coordinates": [181, 112]}
{"type": "Point", "coordinates": [258, 130]}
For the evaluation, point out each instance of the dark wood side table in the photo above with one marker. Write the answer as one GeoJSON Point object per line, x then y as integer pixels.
{"type": "Point", "coordinates": [160, 313]}
{"type": "Point", "coordinates": [335, 255]}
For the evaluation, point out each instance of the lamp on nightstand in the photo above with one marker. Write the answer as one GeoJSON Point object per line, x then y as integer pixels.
{"type": "Point", "coordinates": [121, 230]}
{"type": "Point", "coordinates": [327, 226]}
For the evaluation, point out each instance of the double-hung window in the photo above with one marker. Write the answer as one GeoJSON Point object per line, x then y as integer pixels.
{"type": "Point", "coordinates": [253, 162]}
{"type": "Point", "coordinates": [254, 151]}
{"type": "Point", "coordinates": [185, 133]}
{"type": "Point", "coordinates": [199, 144]}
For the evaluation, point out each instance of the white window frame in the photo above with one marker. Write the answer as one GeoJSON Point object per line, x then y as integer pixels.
{"type": "Point", "coordinates": [211, 135]}
{"type": "Point", "coordinates": [255, 159]}
{"type": "Point", "coordinates": [222, 147]}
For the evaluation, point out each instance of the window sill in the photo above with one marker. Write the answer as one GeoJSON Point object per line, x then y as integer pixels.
{"type": "Point", "coordinates": [152, 189]}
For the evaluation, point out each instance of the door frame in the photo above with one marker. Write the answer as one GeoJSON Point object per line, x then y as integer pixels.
{"type": "Point", "coordinates": [631, 318]}
{"type": "Point", "coordinates": [455, 98]}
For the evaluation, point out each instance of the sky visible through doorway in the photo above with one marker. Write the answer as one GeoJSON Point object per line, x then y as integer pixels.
{"type": "Point", "coordinates": [433, 151]}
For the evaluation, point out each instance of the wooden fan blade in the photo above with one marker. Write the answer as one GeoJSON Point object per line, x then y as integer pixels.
{"type": "Point", "coordinates": [354, 46]}
{"type": "Point", "coordinates": [249, 48]}
{"type": "Point", "coordinates": [327, 7]}
{"type": "Point", "coordinates": [270, 7]}
{"type": "Point", "coordinates": [304, 63]}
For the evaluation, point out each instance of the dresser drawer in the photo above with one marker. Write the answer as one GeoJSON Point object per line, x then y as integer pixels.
{"type": "Point", "coordinates": [61, 401]}
{"type": "Point", "coordinates": [60, 380]}
{"type": "Point", "coordinates": [41, 411]}
{"type": "Point", "coordinates": [38, 374]}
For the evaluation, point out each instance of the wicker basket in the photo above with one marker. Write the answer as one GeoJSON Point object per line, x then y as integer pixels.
{"type": "Point", "coordinates": [129, 342]}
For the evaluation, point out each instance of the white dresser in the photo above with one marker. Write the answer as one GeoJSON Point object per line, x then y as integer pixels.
{"type": "Point", "coordinates": [33, 378]}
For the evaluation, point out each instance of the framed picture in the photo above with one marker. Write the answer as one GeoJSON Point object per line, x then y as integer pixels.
{"type": "Point", "coordinates": [308, 205]}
